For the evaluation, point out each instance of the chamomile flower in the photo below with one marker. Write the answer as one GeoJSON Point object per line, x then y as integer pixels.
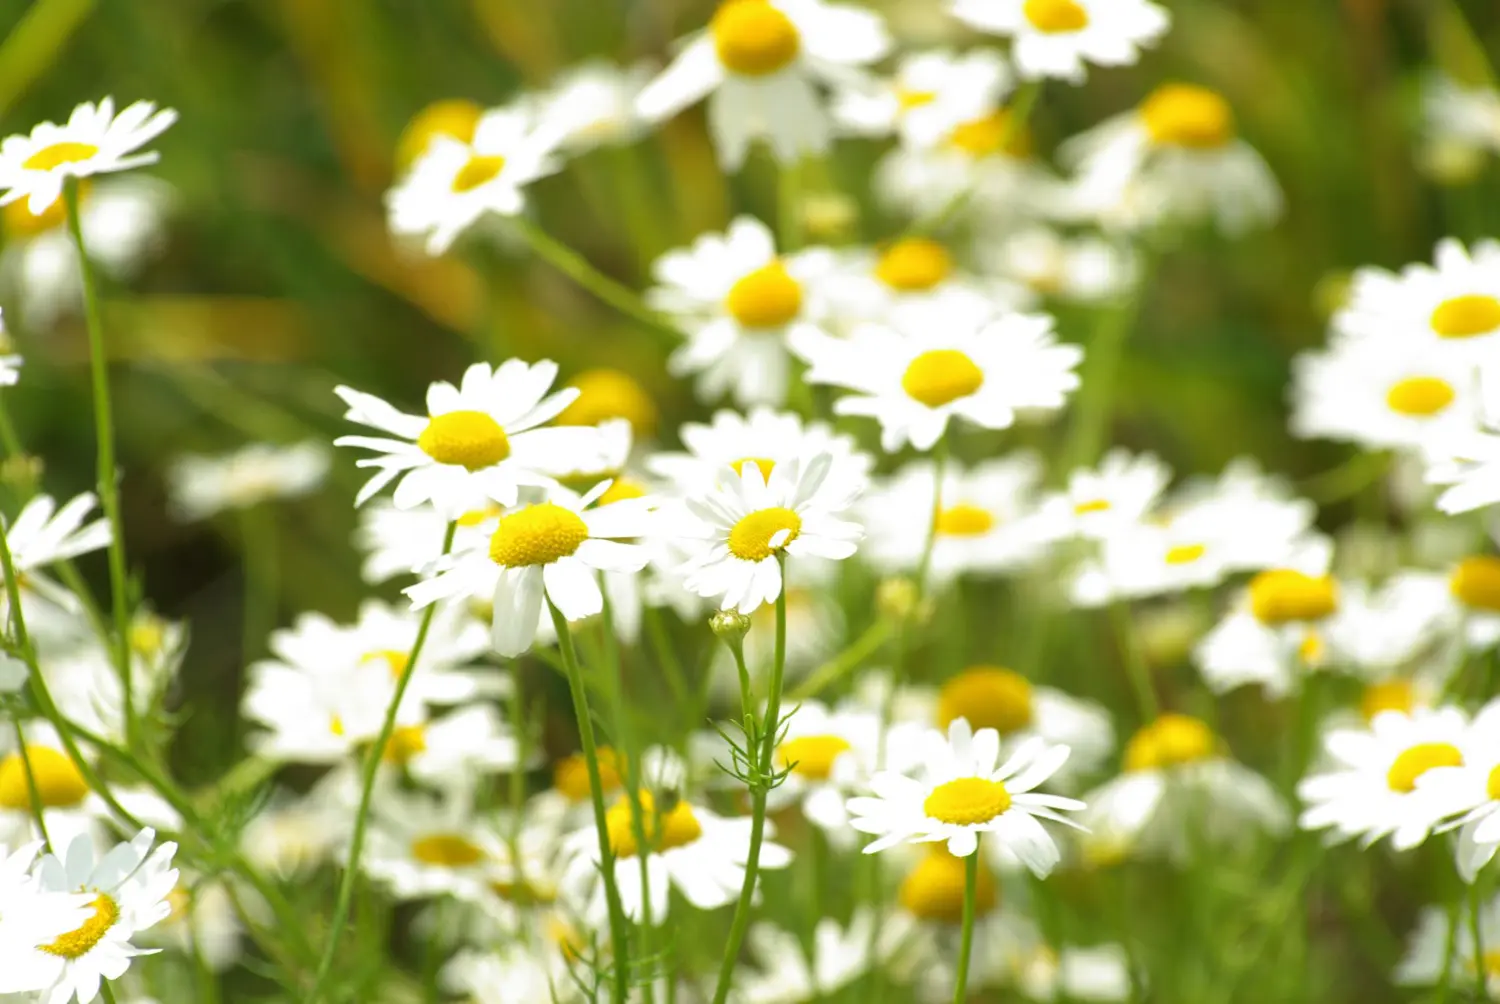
{"type": "Point", "coordinates": [1467, 463]}
{"type": "Point", "coordinates": [129, 890]}
{"type": "Point", "coordinates": [839, 956]}
{"type": "Point", "coordinates": [1180, 792]}
{"type": "Point", "coordinates": [1430, 960]}
{"type": "Point", "coordinates": [814, 628]}
{"type": "Point", "coordinates": [203, 920]}
{"type": "Point", "coordinates": [43, 534]}
{"type": "Point", "coordinates": [454, 184]}
{"type": "Point", "coordinates": [479, 441]}
{"type": "Point", "coordinates": [760, 64]}
{"type": "Point", "coordinates": [1370, 789]}
{"type": "Point", "coordinates": [936, 364]}
{"type": "Point", "coordinates": [593, 104]}
{"type": "Point", "coordinates": [10, 363]}
{"type": "Point", "coordinates": [398, 542]}
{"type": "Point", "coordinates": [1073, 269]}
{"type": "Point", "coordinates": [1101, 502]}
{"type": "Point", "coordinates": [962, 794]}
{"type": "Point", "coordinates": [202, 486]}
{"type": "Point", "coordinates": [830, 753]}
{"type": "Point", "coordinates": [453, 118]}
{"type": "Point", "coordinates": [1175, 159]}
{"type": "Point", "coordinates": [929, 94]}
{"type": "Point", "coordinates": [984, 524]}
{"type": "Point", "coordinates": [421, 847]}
{"type": "Point", "coordinates": [871, 283]}
{"type": "Point", "coordinates": [740, 302]}
{"type": "Point", "coordinates": [1096, 973]}
{"type": "Point", "coordinates": [1470, 792]}
{"type": "Point", "coordinates": [1055, 38]}
{"type": "Point", "coordinates": [688, 847]}
{"type": "Point", "coordinates": [30, 913]}
{"type": "Point", "coordinates": [743, 526]}
{"type": "Point", "coordinates": [1450, 308]}
{"type": "Point", "coordinates": [1461, 117]}
{"type": "Point", "coordinates": [606, 394]}
{"type": "Point", "coordinates": [1465, 599]}
{"type": "Point", "coordinates": [551, 549]}
{"type": "Point", "coordinates": [93, 141]}
{"type": "Point", "coordinates": [291, 837]}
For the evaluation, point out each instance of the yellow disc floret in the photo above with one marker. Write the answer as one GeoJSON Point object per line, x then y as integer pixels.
{"type": "Point", "coordinates": [469, 439]}
{"type": "Point", "coordinates": [813, 756]}
{"type": "Point", "coordinates": [407, 741]}
{"type": "Point", "coordinates": [995, 133]}
{"type": "Point", "coordinates": [1387, 695]}
{"type": "Point", "coordinates": [765, 298]}
{"type": "Point", "coordinates": [446, 850]}
{"type": "Point", "coordinates": [58, 154]}
{"type": "Point", "coordinates": [478, 170]}
{"type": "Point", "coordinates": [1092, 505]}
{"type": "Point", "coordinates": [664, 830]}
{"type": "Point", "coordinates": [455, 118]}
{"type": "Point", "coordinates": [1282, 595]}
{"type": "Point", "coordinates": [989, 697]}
{"type": "Point", "coordinates": [964, 520]}
{"type": "Point", "coordinates": [1184, 554]}
{"type": "Point", "coordinates": [1054, 17]}
{"type": "Point", "coordinates": [934, 889]}
{"type": "Point", "coordinates": [19, 221]}
{"type": "Point", "coordinates": [59, 785]}
{"type": "Point", "coordinates": [965, 801]}
{"type": "Point", "coordinates": [761, 534]}
{"type": "Point", "coordinates": [621, 489]}
{"type": "Point", "coordinates": [1492, 786]}
{"type": "Point", "coordinates": [1170, 741]}
{"type": "Point", "coordinates": [766, 465]}
{"type": "Point", "coordinates": [1420, 397]}
{"type": "Point", "coordinates": [78, 943]}
{"type": "Point", "coordinates": [1418, 760]}
{"type": "Point", "coordinates": [1189, 116]}
{"type": "Point", "coordinates": [1466, 316]}
{"type": "Point", "coordinates": [1476, 583]}
{"type": "Point", "coordinates": [537, 535]}
{"type": "Point", "coordinates": [914, 264]}
{"type": "Point", "coordinates": [571, 774]}
{"type": "Point", "coordinates": [753, 38]}
{"type": "Point", "coordinates": [941, 376]}
{"type": "Point", "coordinates": [604, 394]}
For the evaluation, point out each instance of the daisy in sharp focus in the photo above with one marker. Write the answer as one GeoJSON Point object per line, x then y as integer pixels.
{"type": "Point", "coordinates": [1055, 38]}
{"type": "Point", "coordinates": [738, 530]}
{"type": "Point", "coordinates": [929, 94]}
{"type": "Point", "coordinates": [1470, 793]}
{"type": "Point", "coordinates": [27, 912]}
{"type": "Point", "coordinates": [740, 302]}
{"type": "Point", "coordinates": [93, 141]}
{"type": "Point", "coordinates": [760, 64]}
{"type": "Point", "coordinates": [479, 441]}
{"type": "Point", "coordinates": [202, 486]}
{"type": "Point", "coordinates": [830, 754]}
{"type": "Point", "coordinates": [43, 534]}
{"type": "Point", "coordinates": [962, 794]}
{"type": "Point", "coordinates": [935, 363]}
{"type": "Point", "coordinates": [552, 549]}
{"type": "Point", "coordinates": [454, 184]}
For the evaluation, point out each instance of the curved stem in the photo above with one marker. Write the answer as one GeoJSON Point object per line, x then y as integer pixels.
{"type": "Point", "coordinates": [366, 795]}
{"type": "Point", "coordinates": [32, 792]}
{"type": "Point", "coordinates": [966, 944]}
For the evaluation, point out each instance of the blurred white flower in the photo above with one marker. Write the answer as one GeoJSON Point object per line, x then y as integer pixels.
{"type": "Point", "coordinates": [869, 284]}
{"type": "Point", "coordinates": [202, 486]}
{"type": "Point", "coordinates": [1055, 38]}
{"type": "Point", "coordinates": [1461, 115]}
{"type": "Point", "coordinates": [10, 363]}
{"type": "Point", "coordinates": [929, 94]}
{"type": "Point", "coordinates": [1470, 791]}
{"type": "Point", "coordinates": [1428, 952]}
{"type": "Point", "coordinates": [42, 535]}
{"type": "Point", "coordinates": [839, 956]}
{"type": "Point", "coordinates": [93, 141]}
{"type": "Point", "coordinates": [593, 104]}
{"type": "Point", "coordinates": [1103, 501]}
{"type": "Point", "coordinates": [1082, 269]}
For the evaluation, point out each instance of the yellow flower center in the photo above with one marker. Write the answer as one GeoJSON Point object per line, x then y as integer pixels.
{"type": "Point", "coordinates": [1418, 760]}
{"type": "Point", "coordinates": [761, 534]}
{"type": "Point", "coordinates": [1189, 116]}
{"type": "Point", "coordinates": [1311, 649]}
{"type": "Point", "coordinates": [476, 516]}
{"type": "Point", "coordinates": [393, 660]}
{"type": "Point", "coordinates": [58, 154]}
{"type": "Point", "coordinates": [941, 376]}
{"type": "Point", "coordinates": [1420, 397]}
{"type": "Point", "coordinates": [766, 465]}
{"type": "Point", "coordinates": [991, 134]}
{"type": "Point", "coordinates": [407, 741]}
{"type": "Point", "coordinates": [1281, 595]}
{"type": "Point", "coordinates": [605, 394]}
{"type": "Point", "coordinates": [965, 801]}
{"type": "Point", "coordinates": [1466, 316]}
{"type": "Point", "coordinates": [964, 520]}
{"type": "Point", "coordinates": [1170, 741]}
{"type": "Point", "coordinates": [1092, 505]}
{"type": "Point", "coordinates": [765, 298]}
{"type": "Point", "coordinates": [20, 222]}
{"type": "Point", "coordinates": [147, 635]}
{"type": "Point", "coordinates": [1184, 554]}
{"type": "Point", "coordinates": [537, 535]}
{"type": "Point", "coordinates": [59, 785]}
{"type": "Point", "coordinates": [914, 264]}
{"type": "Point", "coordinates": [621, 489]}
{"type": "Point", "coordinates": [469, 439]}
{"type": "Point", "coordinates": [934, 889]}
{"type": "Point", "coordinates": [477, 170]}
{"type": "Point", "coordinates": [1387, 695]}
{"type": "Point", "coordinates": [813, 756]}
{"type": "Point", "coordinates": [753, 38]}
{"type": "Point", "coordinates": [1476, 583]}
{"type": "Point", "coordinates": [675, 827]}
{"type": "Point", "coordinates": [454, 117]}
{"type": "Point", "coordinates": [76, 944]}
{"type": "Point", "coordinates": [1489, 964]}
{"type": "Point", "coordinates": [1492, 786]}
{"type": "Point", "coordinates": [446, 850]}
{"type": "Point", "coordinates": [181, 902]}
{"type": "Point", "coordinates": [1054, 17]}
{"type": "Point", "coordinates": [571, 774]}
{"type": "Point", "coordinates": [907, 99]}
{"type": "Point", "coordinates": [989, 697]}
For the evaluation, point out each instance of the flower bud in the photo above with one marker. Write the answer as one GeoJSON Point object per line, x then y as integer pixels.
{"type": "Point", "coordinates": [898, 599]}
{"type": "Point", "coordinates": [730, 626]}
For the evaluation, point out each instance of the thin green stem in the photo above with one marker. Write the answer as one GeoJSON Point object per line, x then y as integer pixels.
{"type": "Point", "coordinates": [789, 206]}
{"type": "Point", "coordinates": [1476, 931]}
{"type": "Point", "coordinates": [1135, 661]}
{"type": "Point", "coordinates": [966, 942]}
{"type": "Point", "coordinates": [108, 475]}
{"type": "Point", "coordinates": [32, 792]}
{"type": "Point", "coordinates": [258, 551]}
{"type": "Point", "coordinates": [1450, 952]}
{"type": "Point", "coordinates": [1105, 350]}
{"type": "Point", "coordinates": [618, 933]}
{"type": "Point", "coordinates": [106, 992]}
{"type": "Point", "coordinates": [373, 759]}
{"type": "Point", "coordinates": [846, 662]}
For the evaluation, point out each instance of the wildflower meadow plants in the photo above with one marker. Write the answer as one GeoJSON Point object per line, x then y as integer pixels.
{"type": "Point", "coordinates": [941, 528]}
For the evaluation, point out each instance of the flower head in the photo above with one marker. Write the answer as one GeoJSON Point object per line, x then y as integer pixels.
{"type": "Point", "coordinates": [93, 141]}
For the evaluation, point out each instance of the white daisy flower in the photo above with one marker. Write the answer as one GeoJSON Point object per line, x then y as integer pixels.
{"type": "Point", "coordinates": [1427, 953]}
{"type": "Point", "coordinates": [10, 363]}
{"type": "Point", "coordinates": [1450, 308]}
{"type": "Point", "coordinates": [553, 549]}
{"type": "Point", "coordinates": [1461, 116]}
{"type": "Point", "coordinates": [605, 394]}
{"type": "Point", "coordinates": [129, 888]}
{"type": "Point", "coordinates": [760, 64]}
{"type": "Point", "coordinates": [1179, 791]}
{"type": "Point", "coordinates": [398, 542]}
{"type": "Point", "coordinates": [698, 852]}
{"type": "Point", "coordinates": [515, 974]}
{"type": "Point", "coordinates": [1370, 789]}
{"type": "Point", "coordinates": [93, 141]}
{"type": "Point", "coordinates": [912, 271]}
{"type": "Point", "coordinates": [1097, 973]}
{"type": "Point", "coordinates": [479, 441]}
{"type": "Point", "coordinates": [292, 837]}
{"type": "Point", "coordinates": [455, 118]}
{"type": "Point", "coordinates": [1055, 38]}
{"type": "Point", "coordinates": [936, 364]}
{"type": "Point", "coordinates": [1467, 462]}
{"type": "Point", "coordinates": [747, 520]}
{"type": "Point", "coordinates": [831, 753]}
{"type": "Point", "coordinates": [984, 526]}
{"type": "Point", "coordinates": [929, 94]}
{"type": "Point", "coordinates": [1175, 158]}
{"type": "Point", "coordinates": [1471, 792]}
{"type": "Point", "coordinates": [42, 535]}
{"type": "Point", "coordinates": [593, 104]}
{"type": "Point", "coordinates": [962, 794]}
{"type": "Point", "coordinates": [1101, 502]}
{"type": "Point", "coordinates": [1083, 269]}
{"type": "Point", "coordinates": [454, 184]}
{"type": "Point", "coordinates": [203, 920]}
{"type": "Point", "coordinates": [739, 302]}
{"type": "Point", "coordinates": [201, 486]}
{"type": "Point", "coordinates": [421, 847]}
{"type": "Point", "coordinates": [30, 914]}
{"type": "Point", "coordinates": [1380, 634]}
{"type": "Point", "coordinates": [1464, 600]}
{"type": "Point", "coordinates": [786, 975]}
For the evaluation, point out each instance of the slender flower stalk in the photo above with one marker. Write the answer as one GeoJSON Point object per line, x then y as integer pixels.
{"type": "Point", "coordinates": [966, 943]}
{"type": "Point", "coordinates": [32, 793]}
{"type": "Point", "coordinates": [1105, 351]}
{"type": "Point", "coordinates": [1450, 952]}
{"type": "Point", "coordinates": [366, 795]}
{"type": "Point", "coordinates": [1135, 661]}
{"type": "Point", "coordinates": [1476, 930]}
{"type": "Point", "coordinates": [108, 475]}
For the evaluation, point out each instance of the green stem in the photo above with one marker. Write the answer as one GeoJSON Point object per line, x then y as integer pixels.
{"type": "Point", "coordinates": [789, 206]}
{"type": "Point", "coordinates": [1450, 952]}
{"type": "Point", "coordinates": [617, 922]}
{"type": "Point", "coordinates": [258, 550]}
{"type": "Point", "coordinates": [366, 796]}
{"type": "Point", "coordinates": [966, 943]}
{"type": "Point", "coordinates": [1101, 367]}
{"type": "Point", "coordinates": [844, 663]}
{"type": "Point", "coordinates": [108, 475]}
{"type": "Point", "coordinates": [35, 795]}
{"type": "Point", "coordinates": [1135, 661]}
{"type": "Point", "coordinates": [1476, 930]}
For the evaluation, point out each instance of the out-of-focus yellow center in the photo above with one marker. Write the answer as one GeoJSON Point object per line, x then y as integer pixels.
{"type": "Point", "coordinates": [392, 660]}
{"type": "Point", "coordinates": [571, 774]}
{"type": "Point", "coordinates": [965, 801]}
{"type": "Point", "coordinates": [675, 827]}
{"type": "Point", "coordinates": [765, 298]}
{"type": "Point", "coordinates": [964, 520]}
{"type": "Point", "coordinates": [621, 489]}
{"type": "Point", "coordinates": [58, 154]}
{"type": "Point", "coordinates": [1420, 397]}
{"type": "Point", "coordinates": [914, 264]}
{"type": "Point", "coordinates": [446, 850]}
{"type": "Point", "coordinates": [1282, 595]}
{"type": "Point", "coordinates": [766, 465]}
{"type": "Point", "coordinates": [1189, 116]}
{"type": "Point", "coordinates": [1492, 786]}
{"type": "Point", "coordinates": [469, 439]}
{"type": "Point", "coordinates": [1170, 741]}
{"type": "Point", "coordinates": [19, 221]}
{"type": "Point", "coordinates": [1476, 582]}
{"type": "Point", "coordinates": [604, 394]}
{"type": "Point", "coordinates": [1092, 505]}
{"type": "Point", "coordinates": [941, 376]}
{"type": "Point", "coordinates": [1184, 554]}
{"type": "Point", "coordinates": [1466, 316]}
{"type": "Point", "coordinates": [537, 535]}
{"type": "Point", "coordinates": [813, 756]}
{"type": "Point", "coordinates": [1387, 695]}
{"type": "Point", "coordinates": [991, 134]}
{"type": "Point", "coordinates": [934, 889]}
{"type": "Point", "coordinates": [989, 697]}
{"type": "Point", "coordinates": [78, 943]}
{"type": "Point", "coordinates": [1054, 17]}
{"type": "Point", "coordinates": [476, 516]}
{"type": "Point", "coordinates": [59, 785]}
{"type": "Point", "coordinates": [454, 117]}
{"type": "Point", "coordinates": [478, 170]}
{"type": "Point", "coordinates": [761, 534]}
{"type": "Point", "coordinates": [907, 99]}
{"type": "Point", "coordinates": [407, 742]}
{"type": "Point", "coordinates": [1418, 760]}
{"type": "Point", "coordinates": [753, 38]}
